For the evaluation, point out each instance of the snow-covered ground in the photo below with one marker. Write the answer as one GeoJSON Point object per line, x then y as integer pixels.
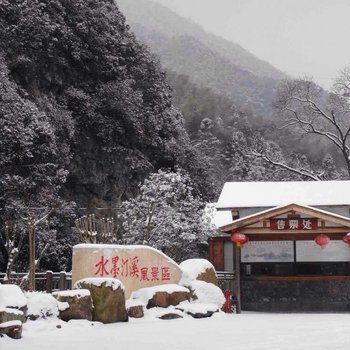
{"type": "Point", "coordinates": [220, 332]}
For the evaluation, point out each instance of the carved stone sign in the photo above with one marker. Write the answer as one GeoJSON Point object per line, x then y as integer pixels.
{"type": "Point", "coordinates": [136, 266]}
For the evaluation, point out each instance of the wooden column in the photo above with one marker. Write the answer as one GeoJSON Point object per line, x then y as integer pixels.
{"type": "Point", "coordinates": [31, 238]}
{"type": "Point", "coordinates": [237, 268]}
{"type": "Point", "coordinates": [49, 279]}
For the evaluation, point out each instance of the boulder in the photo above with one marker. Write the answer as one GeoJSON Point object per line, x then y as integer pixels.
{"type": "Point", "coordinates": [8, 314]}
{"type": "Point", "coordinates": [12, 328]}
{"type": "Point", "coordinates": [108, 299]}
{"type": "Point", "coordinates": [162, 296]}
{"type": "Point", "coordinates": [74, 304]}
{"type": "Point", "coordinates": [135, 311]}
{"type": "Point", "coordinates": [206, 293]}
{"type": "Point", "coordinates": [198, 269]}
{"type": "Point", "coordinates": [135, 308]}
{"type": "Point", "coordinates": [170, 316]}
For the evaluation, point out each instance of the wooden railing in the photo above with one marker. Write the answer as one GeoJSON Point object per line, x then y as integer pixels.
{"type": "Point", "coordinates": [44, 281]}
{"type": "Point", "coordinates": [225, 280]}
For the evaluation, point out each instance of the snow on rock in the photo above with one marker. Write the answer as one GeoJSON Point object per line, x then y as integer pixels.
{"type": "Point", "coordinates": [78, 293]}
{"type": "Point", "coordinates": [207, 293]}
{"type": "Point", "coordinates": [41, 305]}
{"type": "Point", "coordinates": [10, 324]}
{"type": "Point", "coordinates": [145, 294]}
{"type": "Point", "coordinates": [62, 305]}
{"type": "Point", "coordinates": [10, 314]}
{"type": "Point", "coordinates": [134, 302]}
{"type": "Point", "coordinates": [12, 311]}
{"type": "Point", "coordinates": [197, 308]}
{"type": "Point", "coordinates": [12, 296]}
{"type": "Point", "coordinates": [159, 312]}
{"type": "Point", "coordinates": [192, 268]}
{"type": "Point", "coordinates": [98, 281]}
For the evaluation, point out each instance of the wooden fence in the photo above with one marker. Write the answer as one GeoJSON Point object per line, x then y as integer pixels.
{"type": "Point", "coordinates": [45, 281]}
{"type": "Point", "coordinates": [53, 281]}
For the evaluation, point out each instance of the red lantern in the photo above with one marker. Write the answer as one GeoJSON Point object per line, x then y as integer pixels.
{"type": "Point", "coordinates": [239, 238]}
{"type": "Point", "coordinates": [322, 240]}
{"type": "Point", "coordinates": [346, 239]}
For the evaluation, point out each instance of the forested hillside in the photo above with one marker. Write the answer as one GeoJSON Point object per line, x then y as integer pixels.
{"type": "Point", "coordinates": [80, 65]}
{"type": "Point", "coordinates": [86, 113]}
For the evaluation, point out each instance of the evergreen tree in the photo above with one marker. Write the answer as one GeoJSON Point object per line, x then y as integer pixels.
{"type": "Point", "coordinates": [167, 216]}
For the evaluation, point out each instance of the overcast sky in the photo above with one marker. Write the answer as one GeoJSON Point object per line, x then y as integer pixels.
{"type": "Point", "coordinates": [297, 36]}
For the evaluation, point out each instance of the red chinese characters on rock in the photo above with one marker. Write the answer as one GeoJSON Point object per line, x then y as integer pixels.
{"type": "Point", "coordinates": [101, 267]}
{"type": "Point", "coordinates": [129, 267]}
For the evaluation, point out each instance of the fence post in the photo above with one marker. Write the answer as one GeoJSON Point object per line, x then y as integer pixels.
{"type": "Point", "coordinates": [48, 281]}
{"type": "Point", "coordinates": [62, 281]}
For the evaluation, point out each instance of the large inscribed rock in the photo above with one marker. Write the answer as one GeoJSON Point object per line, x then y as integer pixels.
{"type": "Point", "coordinates": [135, 266]}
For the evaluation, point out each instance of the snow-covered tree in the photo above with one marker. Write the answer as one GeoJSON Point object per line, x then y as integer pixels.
{"type": "Point", "coordinates": [167, 216]}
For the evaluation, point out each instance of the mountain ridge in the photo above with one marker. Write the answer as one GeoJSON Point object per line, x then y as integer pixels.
{"type": "Point", "coordinates": [210, 61]}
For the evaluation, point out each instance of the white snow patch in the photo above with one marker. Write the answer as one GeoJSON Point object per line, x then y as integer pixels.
{"type": "Point", "coordinates": [192, 268]}
{"type": "Point", "coordinates": [134, 302]}
{"type": "Point", "coordinates": [207, 293]}
{"type": "Point", "coordinates": [12, 295]}
{"type": "Point", "coordinates": [62, 305]}
{"type": "Point", "coordinates": [197, 308]}
{"type": "Point", "coordinates": [11, 311]}
{"type": "Point", "coordinates": [41, 305]}
{"type": "Point", "coordinates": [10, 324]}
{"type": "Point", "coordinates": [78, 293]}
{"type": "Point", "coordinates": [145, 294]}
{"type": "Point", "coordinates": [247, 331]}
{"type": "Point", "coordinates": [98, 281]}
{"type": "Point", "coordinates": [157, 312]}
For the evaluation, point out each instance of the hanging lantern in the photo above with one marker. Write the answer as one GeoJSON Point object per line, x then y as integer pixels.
{"type": "Point", "coordinates": [239, 238]}
{"type": "Point", "coordinates": [346, 239]}
{"type": "Point", "coordinates": [322, 240]}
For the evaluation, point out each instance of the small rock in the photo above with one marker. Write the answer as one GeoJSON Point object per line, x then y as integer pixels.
{"type": "Point", "coordinates": [135, 311]}
{"type": "Point", "coordinates": [9, 314]}
{"type": "Point", "coordinates": [13, 329]}
{"type": "Point", "coordinates": [79, 304]}
{"type": "Point", "coordinates": [170, 316]}
{"type": "Point", "coordinates": [200, 314]}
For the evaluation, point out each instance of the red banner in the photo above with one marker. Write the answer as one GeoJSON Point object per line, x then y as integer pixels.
{"type": "Point", "coordinates": [303, 224]}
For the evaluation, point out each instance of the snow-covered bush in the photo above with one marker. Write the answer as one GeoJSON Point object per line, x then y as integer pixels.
{"type": "Point", "coordinates": [41, 305]}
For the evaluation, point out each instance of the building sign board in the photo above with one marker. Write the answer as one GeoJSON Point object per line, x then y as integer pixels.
{"type": "Point", "coordinates": [268, 251]}
{"type": "Point", "coordinates": [309, 251]}
{"type": "Point", "coordinates": [303, 224]}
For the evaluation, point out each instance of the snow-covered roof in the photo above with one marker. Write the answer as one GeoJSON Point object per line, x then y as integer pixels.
{"type": "Point", "coordinates": [271, 194]}
{"type": "Point", "coordinates": [268, 213]}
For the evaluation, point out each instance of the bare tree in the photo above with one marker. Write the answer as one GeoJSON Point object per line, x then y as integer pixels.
{"type": "Point", "coordinates": [32, 220]}
{"type": "Point", "coordinates": [308, 107]}
{"type": "Point", "coordinates": [12, 237]}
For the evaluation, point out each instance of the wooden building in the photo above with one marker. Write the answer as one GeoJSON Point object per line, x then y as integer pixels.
{"type": "Point", "coordinates": [281, 268]}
